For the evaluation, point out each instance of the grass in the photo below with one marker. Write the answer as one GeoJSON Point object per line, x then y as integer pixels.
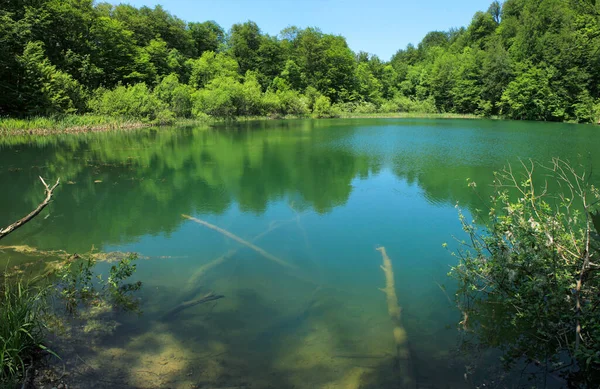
{"type": "Point", "coordinates": [22, 309]}
{"type": "Point", "coordinates": [67, 123]}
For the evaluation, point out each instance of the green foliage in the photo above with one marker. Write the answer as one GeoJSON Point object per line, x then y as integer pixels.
{"type": "Point", "coordinates": [402, 103]}
{"type": "Point", "coordinates": [285, 102]}
{"type": "Point", "coordinates": [207, 36]}
{"type": "Point", "coordinates": [528, 282]}
{"type": "Point", "coordinates": [524, 59]}
{"type": "Point", "coordinates": [323, 108]}
{"type": "Point", "coordinates": [530, 96]}
{"type": "Point", "coordinates": [46, 90]}
{"type": "Point", "coordinates": [25, 308]}
{"type": "Point", "coordinates": [210, 66]}
{"type": "Point", "coordinates": [226, 97]}
{"type": "Point", "coordinates": [176, 95]}
{"type": "Point", "coordinates": [135, 101]}
{"type": "Point", "coordinates": [78, 286]}
{"type": "Point", "coordinates": [117, 287]}
{"type": "Point", "coordinates": [244, 43]}
{"type": "Point", "coordinates": [22, 310]}
{"type": "Point", "coordinates": [369, 87]}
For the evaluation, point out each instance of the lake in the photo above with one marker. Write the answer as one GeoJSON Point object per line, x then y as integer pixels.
{"type": "Point", "coordinates": [312, 199]}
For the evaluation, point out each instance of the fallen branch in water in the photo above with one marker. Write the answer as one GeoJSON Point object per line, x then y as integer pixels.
{"type": "Point", "coordinates": [402, 362]}
{"type": "Point", "coordinates": [49, 191]}
{"type": "Point", "coordinates": [188, 304]}
{"type": "Point", "coordinates": [193, 287]}
{"type": "Point", "coordinates": [228, 234]}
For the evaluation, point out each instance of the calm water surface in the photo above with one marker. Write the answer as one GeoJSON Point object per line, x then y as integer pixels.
{"type": "Point", "coordinates": [322, 195]}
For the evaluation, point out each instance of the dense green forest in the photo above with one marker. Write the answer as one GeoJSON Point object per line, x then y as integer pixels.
{"type": "Point", "coordinates": [523, 59]}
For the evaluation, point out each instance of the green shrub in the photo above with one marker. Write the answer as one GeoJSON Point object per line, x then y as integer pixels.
{"type": "Point", "coordinates": [134, 101]}
{"type": "Point", "coordinates": [226, 97]}
{"type": "Point", "coordinates": [209, 66]}
{"type": "Point", "coordinates": [529, 283]}
{"type": "Point", "coordinates": [285, 102]}
{"type": "Point", "coordinates": [323, 108]}
{"type": "Point", "coordinates": [176, 95]}
{"type": "Point", "coordinates": [389, 106]}
{"type": "Point", "coordinates": [272, 104]}
{"type": "Point", "coordinates": [405, 104]}
{"type": "Point", "coordinates": [218, 99]}
{"type": "Point", "coordinates": [365, 107]}
{"type": "Point", "coordinates": [79, 287]}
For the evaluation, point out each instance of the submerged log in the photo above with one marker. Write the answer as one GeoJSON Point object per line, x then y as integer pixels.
{"type": "Point", "coordinates": [192, 303]}
{"type": "Point", "coordinates": [228, 234]}
{"type": "Point", "coordinates": [19, 223]}
{"type": "Point", "coordinates": [402, 361]}
{"type": "Point", "coordinates": [193, 287]}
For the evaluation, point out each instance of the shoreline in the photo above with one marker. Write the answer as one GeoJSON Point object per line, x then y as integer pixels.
{"type": "Point", "coordinates": [76, 124]}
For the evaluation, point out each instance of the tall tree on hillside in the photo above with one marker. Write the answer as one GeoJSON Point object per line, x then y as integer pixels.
{"type": "Point", "coordinates": [207, 36]}
{"type": "Point", "coordinates": [244, 42]}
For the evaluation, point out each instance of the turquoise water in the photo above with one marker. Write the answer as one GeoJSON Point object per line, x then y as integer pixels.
{"type": "Point", "coordinates": [328, 192]}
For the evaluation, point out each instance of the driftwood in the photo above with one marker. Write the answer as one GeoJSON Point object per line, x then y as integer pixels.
{"type": "Point", "coordinates": [49, 191]}
{"type": "Point", "coordinates": [228, 234]}
{"type": "Point", "coordinates": [402, 361]}
{"type": "Point", "coordinates": [192, 303]}
{"type": "Point", "coordinates": [193, 287]}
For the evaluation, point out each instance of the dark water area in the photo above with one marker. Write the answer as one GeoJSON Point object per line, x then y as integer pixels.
{"type": "Point", "coordinates": [321, 195]}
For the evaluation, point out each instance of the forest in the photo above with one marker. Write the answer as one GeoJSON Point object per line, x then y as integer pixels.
{"type": "Point", "coordinates": [522, 59]}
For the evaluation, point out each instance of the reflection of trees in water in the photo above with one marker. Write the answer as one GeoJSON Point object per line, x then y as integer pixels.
{"type": "Point", "coordinates": [125, 185]}
{"type": "Point", "coordinates": [150, 177]}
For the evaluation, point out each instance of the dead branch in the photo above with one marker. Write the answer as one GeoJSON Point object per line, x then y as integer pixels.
{"type": "Point", "coordinates": [228, 234]}
{"type": "Point", "coordinates": [49, 191]}
{"type": "Point", "coordinates": [194, 281]}
{"type": "Point", "coordinates": [188, 304]}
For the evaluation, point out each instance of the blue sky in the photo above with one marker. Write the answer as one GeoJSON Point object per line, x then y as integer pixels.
{"type": "Point", "coordinates": [377, 26]}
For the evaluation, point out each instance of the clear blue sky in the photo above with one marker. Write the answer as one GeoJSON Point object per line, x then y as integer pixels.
{"type": "Point", "coordinates": [377, 26]}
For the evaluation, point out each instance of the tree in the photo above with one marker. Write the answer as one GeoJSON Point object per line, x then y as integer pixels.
{"type": "Point", "coordinates": [207, 36]}
{"type": "Point", "coordinates": [495, 10]}
{"type": "Point", "coordinates": [211, 65]}
{"type": "Point", "coordinates": [368, 87]}
{"type": "Point", "coordinates": [244, 42]}
{"type": "Point", "coordinates": [114, 53]}
{"type": "Point", "coordinates": [46, 90]}
{"type": "Point", "coordinates": [530, 96]}
{"type": "Point", "coordinates": [149, 23]}
{"type": "Point", "coordinates": [271, 60]}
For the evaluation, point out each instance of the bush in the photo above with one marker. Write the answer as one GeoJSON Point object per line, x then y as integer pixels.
{"type": "Point", "coordinates": [218, 99]}
{"type": "Point", "coordinates": [323, 108]}
{"type": "Point", "coordinates": [389, 106]}
{"type": "Point", "coordinates": [77, 286]}
{"type": "Point", "coordinates": [406, 104]}
{"type": "Point", "coordinates": [225, 97]}
{"type": "Point", "coordinates": [135, 101]}
{"type": "Point", "coordinates": [401, 103]}
{"type": "Point", "coordinates": [529, 283]}
{"type": "Point", "coordinates": [285, 102]}
{"type": "Point", "coordinates": [176, 95]}
{"type": "Point", "coordinates": [365, 107]}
